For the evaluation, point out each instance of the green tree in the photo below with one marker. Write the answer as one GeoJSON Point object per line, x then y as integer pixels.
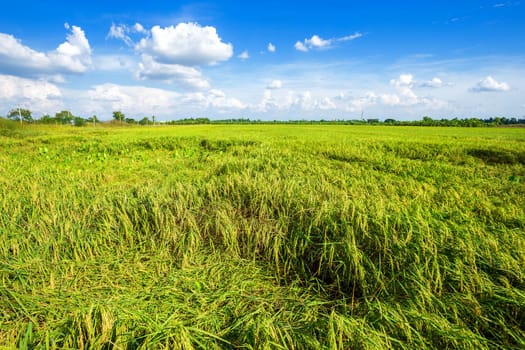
{"type": "Point", "coordinates": [428, 121]}
{"type": "Point", "coordinates": [46, 119]}
{"type": "Point", "coordinates": [20, 114]}
{"type": "Point", "coordinates": [64, 117]}
{"type": "Point", "coordinates": [93, 120]}
{"type": "Point", "coordinates": [144, 121]}
{"type": "Point", "coordinates": [79, 121]}
{"type": "Point", "coordinates": [118, 116]}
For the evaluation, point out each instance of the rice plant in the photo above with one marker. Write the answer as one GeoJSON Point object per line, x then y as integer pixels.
{"type": "Point", "coordinates": [262, 237]}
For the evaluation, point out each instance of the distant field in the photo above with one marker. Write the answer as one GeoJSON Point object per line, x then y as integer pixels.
{"type": "Point", "coordinates": [262, 237]}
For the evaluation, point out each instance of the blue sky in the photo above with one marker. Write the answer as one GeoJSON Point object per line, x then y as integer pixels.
{"type": "Point", "coordinates": [264, 60]}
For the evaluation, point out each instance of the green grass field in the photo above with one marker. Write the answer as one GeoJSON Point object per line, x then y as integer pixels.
{"type": "Point", "coordinates": [262, 237]}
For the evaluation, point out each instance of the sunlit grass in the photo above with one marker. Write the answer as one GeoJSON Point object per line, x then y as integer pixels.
{"type": "Point", "coordinates": [261, 236]}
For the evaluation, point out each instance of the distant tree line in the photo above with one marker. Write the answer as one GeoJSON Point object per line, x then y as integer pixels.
{"type": "Point", "coordinates": [465, 122]}
{"type": "Point", "coordinates": [65, 117]}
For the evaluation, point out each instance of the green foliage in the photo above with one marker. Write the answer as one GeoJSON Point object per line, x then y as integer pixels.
{"type": "Point", "coordinates": [79, 121]}
{"type": "Point", "coordinates": [93, 120]}
{"type": "Point", "coordinates": [145, 121]}
{"type": "Point", "coordinates": [118, 116]}
{"type": "Point", "coordinates": [64, 117]}
{"type": "Point", "coordinates": [18, 114]}
{"type": "Point", "coordinates": [47, 119]}
{"type": "Point", "coordinates": [263, 236]}
{"type": "Point", "coordinates": [14, 129]}
{"type": "Point", "coordinates": [8, 127]}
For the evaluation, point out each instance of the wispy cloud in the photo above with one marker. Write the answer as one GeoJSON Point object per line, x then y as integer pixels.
{"type": "Point", "coordinates": [122, 32]}
{"type": "Point", "coordinates": [316, 42]}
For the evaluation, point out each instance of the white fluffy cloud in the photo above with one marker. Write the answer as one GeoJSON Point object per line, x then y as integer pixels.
{"type": "Point", "coordinates": [139, 28]}
{"type": "Point", "coordinates": [433, 83]}
{"type": "Point", "coordinates": [133, 100]}
{"type": "Point", "coordinates": [403, 96]}
{"type": "Point", "coordinates": [217, 99]}
{"type": "Point", "coordinates": [172, 73]}
{"type": "Point", "coordinates": [71, 57]}
{"type": "Point", "coordinates": [38, 96]}
{"type": "Point", "coordinates": [490, 84]}
{"type": "Point", "coordinates": [404, 85]}
{"type": "Point", "coordinates": [186, 44]}
{"type": "Point", "coordinates": [389, 101]}
{"type": "Point", "coordinates": [275, 84]}
{"type": "Point", "coordinates": [404, 80]}
{"type": "Point", "coordinates": [300, 47]}
{"type": "Point", "coordinates": [171, 54]}
{"type": "Point", "coordinates": [140, 100]}
{"type": "Point", "coordinates": [327, 104]}
{"type": "Point", "coordinates": [316, 42]}
{"type": "Point", "coordinates": [244, 55]}
{"type": "Point", "coordinates": [271, 47]}
{"type": "Point", "coordinates": [293, 103]}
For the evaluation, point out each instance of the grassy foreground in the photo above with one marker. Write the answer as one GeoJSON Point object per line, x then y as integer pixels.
{"type": "Point", "coordinates": [262, 237]}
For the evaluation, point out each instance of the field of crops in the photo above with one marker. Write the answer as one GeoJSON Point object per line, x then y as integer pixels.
{"type": "Point", "coordinates": [262, 237]}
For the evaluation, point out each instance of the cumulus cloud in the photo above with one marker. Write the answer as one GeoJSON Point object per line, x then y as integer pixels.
{"type": "Point", "coordinates": [316, 42]}
{"type": "Point", "coordinates": [489, 84]}
{"type": "Point", "coordinates": [404, 85]}
{"type": "Point", "coordinates": [217, 99]}
{"type": "Point", "coordinates": [244, 55]}
{"type": "Point", "coordinates": [404, 80]}
{"type": "Point", "coordinates": [140, 100]}
{"type": "Point", "coordinates": [292, 102]}
{"type": "Point", "coordinates": [187, 76]}
{"type": "Point", "coordinates": [186, 44]}
{"type": "Point", "coordinates": [433, 83]}
{"type": "Point", "coordinates": [403, 96]}
{"type": "Point", "coordinates": [300, 47]}
{"type": "Point", "coordinates": [131, 99]}
{"type": "Point", "coordinates": [271, 47]}
{"type": "Point", "coordinates": [37, 95]}
{"type": "Point", "coordinates": [274, 85]}
{"type": "Point", "coordinates": [327, 104]}
{"type": "Point", "coordinates": [71, 57]}
{"type": "Point", "coordinates": [139, 28]}
{"type": "Point", "coordinates": [171, 54]}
